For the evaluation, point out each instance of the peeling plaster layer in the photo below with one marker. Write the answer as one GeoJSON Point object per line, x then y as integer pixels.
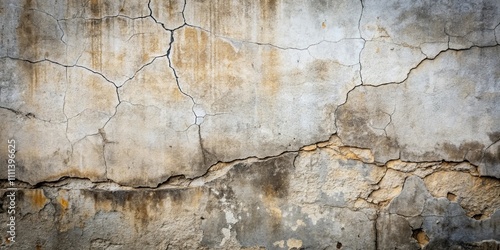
{"type": "Point", "coordinates": [450, 105]}
{"type": "Point", "coordinates": [400, 34]}
{"type": "Point", "coordinates": [303, 198]}
{"type": "Point", "coordinates": [189, 124]}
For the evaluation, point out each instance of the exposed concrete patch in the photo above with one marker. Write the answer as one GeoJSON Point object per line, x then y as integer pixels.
{"type": "Point", "coordinates": [188, 124]}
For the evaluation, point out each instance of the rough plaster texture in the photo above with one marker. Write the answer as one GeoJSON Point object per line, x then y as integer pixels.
{"type": "Point", "coordinates": [251, 124]}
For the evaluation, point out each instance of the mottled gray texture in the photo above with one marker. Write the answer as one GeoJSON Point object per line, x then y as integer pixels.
{"type": "Point", "coordinates": [251, 124]}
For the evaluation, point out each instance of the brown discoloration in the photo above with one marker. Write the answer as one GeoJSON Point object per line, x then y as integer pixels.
{"type": "Point", "coordinates": [95, 7]}
{"type": "Point", "coordinates": [63, 203]}
{"type": "Point", "coordinates": [268, 179]}
{"type": "Point", "coordinates": [469, 150]}
{"type": "Point", "coordinates": [27, 32]}
{"type": "Point", "coordinates": [492, 157]}
{"type": "Point", "coordinates": [268, 9]}
{"type": "Point", "coordinates": [268, 16]}
{"type": "Point", "coordinates": [494, 136]}
{"type": "Point", "coordinates": [75, 172]}
{"type": "Point", "coordinates": [171, 6]}
{"type": "Point", "coordinates": [322, 69]}
{"type": "Point", "coordinates": [348, 154]}
{"type": "Point", "coordinates": [477, 195]}
{"type": "Point", "coordinates": [143, 205]}
{"type": "Point", "coordinates": [421, 237]}
{"type": "Point", "coordinates": [209, 63]}
{"type": "Point", "coordinates": [356, 119]}
{"type": "Point", "coordinates": [382, 32]}
{"type": "Point", "coordinates": [271, 75]}
{"type": "Point", "coordinates": [93, 30]}
{"type": "Point", "coordinates": [271, 176]}
{"type": "Point", "coordinates": [193, 53]}
{"type": "Point", "coordinates": [28, 36]}
{"type": "Point", "coordinates": [451, 197]}
{"type": "Point", "coordinates": [39, 198]}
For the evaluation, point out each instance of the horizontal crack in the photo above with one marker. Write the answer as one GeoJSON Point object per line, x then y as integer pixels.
{"type": "Point", "coordinates": [274, 45]}
{"type": "Point", "coordinates": [179, 181]}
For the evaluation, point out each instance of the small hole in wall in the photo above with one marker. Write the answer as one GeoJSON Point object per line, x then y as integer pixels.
{"type": "Point", "coordinates": [202, 218]}
{"type": "Point", "coordinates": [478, 216]}
{"type": "Point", "coordinates": [339, 245]}
{"type": "Point", "coordinates": [420, 236]}
{"type": "Point", "coordinates": [451, 196]}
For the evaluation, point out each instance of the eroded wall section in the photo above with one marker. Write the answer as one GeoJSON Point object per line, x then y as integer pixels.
{"type": "Point", "coordinates": [223, 124]}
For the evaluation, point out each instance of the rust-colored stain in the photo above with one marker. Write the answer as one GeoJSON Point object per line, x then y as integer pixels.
{"type": "Point", "coordinates": [207, 61]}
{"type": "Point", "coordinates": [38, 198]}
{"type": "Point", "coordinates": [63, 202]}
{"type": "Point", "coordinates": [95, 7]}
{"type": "Point", "coordinates": [143, 206]}
{"type": "Point", "coordinates": [171, 7]}
{"type": "Point", "coordinates": [383, 32]}
{"type": "Point", "coordinates": [271, 75]}
{"type": "Point", "coordinates": [94, 32]}
{"type": "Point", "coordinates": [195, 55]}
{"type": "Point", "coordinates": [323, 25]}
{"type": "Point", "coordinates": [268, 8]}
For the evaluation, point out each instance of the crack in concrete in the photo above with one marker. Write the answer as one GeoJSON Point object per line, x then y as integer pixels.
{"type": "Point", "coordinates": [105, 141]}
{"type": "Point", "coordinates": [472, 31]}
{"type": "Point", "coordinates": [151, 13]}
{"type": "Point", "coordinates": [486, 149]}
{"type": "Point", "coordinates": [142, 105]}
{"type": "Point", "coordinates": [306, 48]}
{"type": "Point", "coordinates": [183, 9]}
{"type": "Point", "coordinates": [406, 78]}
{"type": "Point", "coordinates": [104, 18]}
{"type": "Point", "coordinates": [48, 14]}
{"type": "Point", "coordinates": [408, 74]}
{"type": "Point", "coordinates": [30, 115]}
{"type": "Point", "coordinates": [360, 65]}
{"type": "Point", "coordinates": [64, 111]}
{"type": "Point", "coordinates": [495, 33]}
{"type": "Point", "coordinates": [215, 169]}
{"type": "Point", "coordinates": [141, 68]}
{"type": "Point", "coordinates": [60, 64]}
{"type": "Point", "coordinates": [162, 24]}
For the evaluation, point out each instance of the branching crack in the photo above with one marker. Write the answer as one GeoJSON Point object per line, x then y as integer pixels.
{"type": "Point", "coordinates": [177, 76]}
{"type": "Point", "coordinates": [60, 64]}
{"type": "Point", "coordinates": [407, 75]}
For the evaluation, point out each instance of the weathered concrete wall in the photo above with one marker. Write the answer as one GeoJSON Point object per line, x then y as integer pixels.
{"type": "Point", "coordinates": [343, 124]}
